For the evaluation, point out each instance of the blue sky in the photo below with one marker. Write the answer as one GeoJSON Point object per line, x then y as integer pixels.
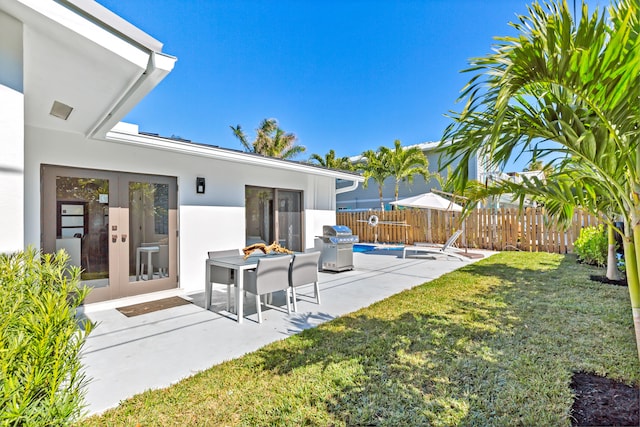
{"type": "Point", "coordinates": [346, 75]}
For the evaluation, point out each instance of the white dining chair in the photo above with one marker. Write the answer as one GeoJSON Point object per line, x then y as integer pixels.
{"type": "Point", "coordinates": [270, 275]}
{"type": "Point", "coordinates": [221, 275]}
{"type": "Point", "coordinates": [304, 270]}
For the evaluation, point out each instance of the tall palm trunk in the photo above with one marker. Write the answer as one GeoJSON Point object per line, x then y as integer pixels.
{"type": "Point", "coordinates": [631, 251]}
{"type": "Point", "coordinates": [612, 259]}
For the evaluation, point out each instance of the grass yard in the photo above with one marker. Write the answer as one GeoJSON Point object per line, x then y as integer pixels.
{"type": "Point", "coordinates": [494, 343]}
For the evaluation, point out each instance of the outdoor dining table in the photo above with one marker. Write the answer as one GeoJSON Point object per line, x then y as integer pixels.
{"type": "Point", "coordinates": [239, 264]}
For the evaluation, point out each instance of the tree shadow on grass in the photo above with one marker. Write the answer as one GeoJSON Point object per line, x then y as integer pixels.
{"type": "Point", "coordinates": [493, 343]}
{"type": "Point", "coordinates": [397, 371]}
{"type": "Point", "coordinates": [415, 369]}
{"type": "Point", "coordinates": [475, 359]}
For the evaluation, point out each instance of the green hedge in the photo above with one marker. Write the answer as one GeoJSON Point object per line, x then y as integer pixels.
{"type": "Point", "coordinates": [592, 246]}
{"type": "Point", "coordinates": [41, 380]}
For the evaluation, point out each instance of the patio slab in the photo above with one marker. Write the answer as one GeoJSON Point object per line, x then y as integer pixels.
{"type": "Point", "coordinates": [125, 356]}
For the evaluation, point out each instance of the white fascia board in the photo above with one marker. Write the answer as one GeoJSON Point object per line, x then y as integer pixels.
{"type": "Point", "coordinates": [117, 23]}
{"type": "Point", "coordinates": [159, 66]}
{"type": "Point", "coordinates": [212, 152]}
{"type": "Point", "coordinates": [80, 25]}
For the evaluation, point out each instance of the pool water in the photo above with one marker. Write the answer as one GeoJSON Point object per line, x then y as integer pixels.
{"type": "Point", "coordinates": [370, 247]}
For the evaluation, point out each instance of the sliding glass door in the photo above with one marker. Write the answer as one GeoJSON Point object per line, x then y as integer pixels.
{"type": "Point", "coordinates": [274, 214]}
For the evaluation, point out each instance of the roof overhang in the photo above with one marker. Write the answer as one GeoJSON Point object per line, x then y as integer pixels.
{"type": "Point", "coordinates": [128, 134]}
{"type": "Point", "coordinates": [80, 54]}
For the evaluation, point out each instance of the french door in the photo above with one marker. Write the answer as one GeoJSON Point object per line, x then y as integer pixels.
{"type": "Point", "coordinates": [119, 228]}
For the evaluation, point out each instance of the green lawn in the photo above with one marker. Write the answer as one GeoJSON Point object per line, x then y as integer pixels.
{"type": "Point", "coordinates": [494, 343]}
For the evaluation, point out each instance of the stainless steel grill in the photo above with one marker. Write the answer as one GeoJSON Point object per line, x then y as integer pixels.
{"type": "Point", "coordinates": [337, 247]}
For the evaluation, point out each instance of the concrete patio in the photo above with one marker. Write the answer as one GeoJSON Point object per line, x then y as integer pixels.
{"type": "Point", "coordinates": [125, 356]}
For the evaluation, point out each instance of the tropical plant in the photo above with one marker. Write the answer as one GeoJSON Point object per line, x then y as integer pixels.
{"type": "Point", "coordinates": [375, 165]}
{"type": "Point", "coordinates": [591, 245]}
{"type": "Point", "coordinates": [405, 163]}
{"type": "Point", "coordinates": [331, 161]}
{"type": "Point", "coordinates": [400, 163]}
{"type": "Point", "coordinates": [560, 192]}
{"type": "Point", "coordinates": [578, 85]}
{"type": "Point", "coordinates": [539, 165]}
{"type": "Point", "coordinates": [270, 141]}
{"type": "Point", "coordinates": [41, 380]}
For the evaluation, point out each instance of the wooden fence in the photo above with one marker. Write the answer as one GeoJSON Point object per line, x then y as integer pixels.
{"type": "Point", "coordinates": [494, 229]}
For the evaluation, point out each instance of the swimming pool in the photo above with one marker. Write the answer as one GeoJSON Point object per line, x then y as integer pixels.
{"type": "Point", "coordinates": [368, 247]}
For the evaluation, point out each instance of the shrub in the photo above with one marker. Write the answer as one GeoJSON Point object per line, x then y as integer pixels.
{"type": "Point", "coordinates": [591, 246]}
{"type": "Point", "coordinates": [41, 381]}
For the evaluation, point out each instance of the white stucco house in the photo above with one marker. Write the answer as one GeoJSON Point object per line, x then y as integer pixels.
{"type": "Point", "coordinates": [73, 176]}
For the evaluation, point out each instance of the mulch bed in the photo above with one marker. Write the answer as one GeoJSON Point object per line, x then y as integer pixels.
{"type": "Point", "coordinates": [603, 279]}
{"type": "Point", "coordinates": [601, 401]}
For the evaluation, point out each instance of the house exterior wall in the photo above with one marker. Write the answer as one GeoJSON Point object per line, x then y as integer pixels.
{"type": "Point", "coordinates": [211, 221]}
{"type": "Point", "coordinates": [11, 135]}
{"type": "Point", "coordinates": [35, 44]}
{"type": "Point", "coordinates": [368, 198]}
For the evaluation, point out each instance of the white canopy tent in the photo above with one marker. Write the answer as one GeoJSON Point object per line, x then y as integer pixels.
{"type": "Point", "coordinates": [429, 201]}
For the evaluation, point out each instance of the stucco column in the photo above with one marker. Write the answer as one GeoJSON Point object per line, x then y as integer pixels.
{"type": "Point", "coordinates": [11, 135]}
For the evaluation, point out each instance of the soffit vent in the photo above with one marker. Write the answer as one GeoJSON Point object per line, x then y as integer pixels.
{"type": "Point", "coordinates": [60, 110]}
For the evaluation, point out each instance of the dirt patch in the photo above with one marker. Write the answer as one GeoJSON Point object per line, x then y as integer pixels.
{"type": "Point", "coordinates": [601, 401]}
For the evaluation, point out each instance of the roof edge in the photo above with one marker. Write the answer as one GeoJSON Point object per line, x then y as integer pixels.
{"type": "Point", "coordinates": [127, 133]}
{"type": "Point", "coordinates": [102, 16]}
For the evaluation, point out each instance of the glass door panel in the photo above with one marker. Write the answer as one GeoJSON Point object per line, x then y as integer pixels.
{"type": "Point", "coordinates": [290, 219]}
{"type": "Point", "coordinates": [259, 215]}
{"type": "Point", "coordinates": [149, 231]}
{"type": "Point", "coordinates": [82, 220]}
{"type": "Point", "coordinates": [149, 216]}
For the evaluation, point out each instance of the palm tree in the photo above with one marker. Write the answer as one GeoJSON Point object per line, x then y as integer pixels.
{"type": "Point", "coordinates": [400, 163]}
{"type": "Point", "coordinates": [577, 85]}
{"type": "Point", "coordinates": [539, 165]}
{"type": "Point", "coordinates": [560, 192]}
{"type": "Point", "coordinates": [405, 163]}
{"type": "Point", "coordinates": [331, 161]}
{"type": "Point", "coordinates": [375, 165]}
{"type": "Point", "coordinates": [270, 141]}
